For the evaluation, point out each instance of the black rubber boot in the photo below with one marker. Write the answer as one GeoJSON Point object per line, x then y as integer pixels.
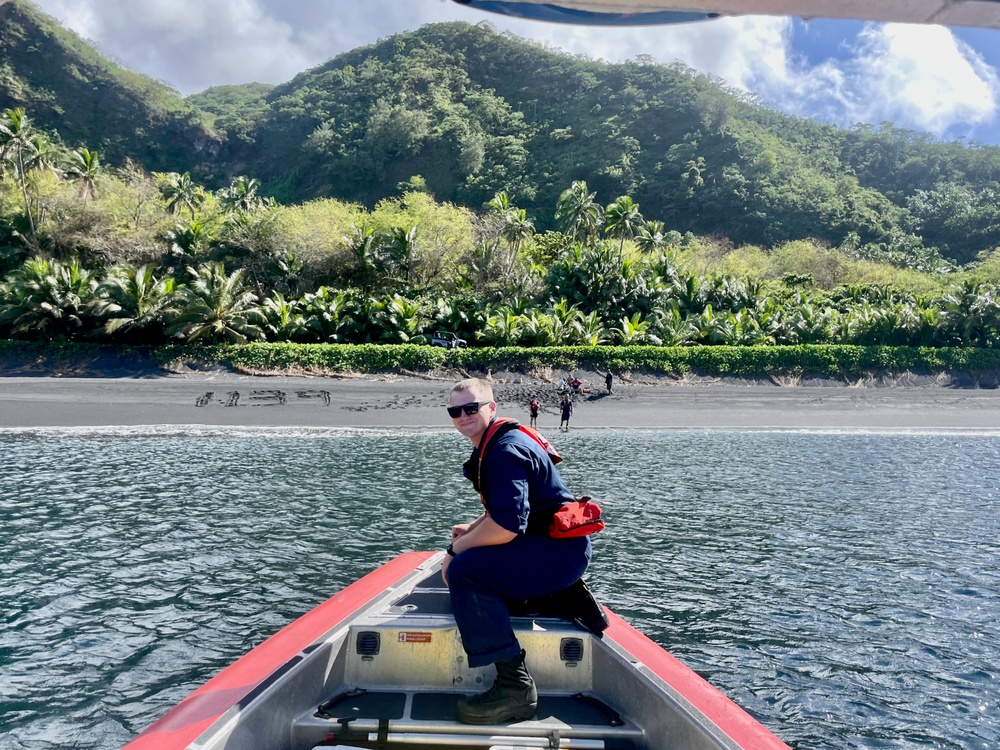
{"type": "Point", "coordinates": [512, 698]}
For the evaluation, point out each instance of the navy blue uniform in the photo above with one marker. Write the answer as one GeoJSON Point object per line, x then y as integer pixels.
{"type": "Point", "coordinates": [523, 489]}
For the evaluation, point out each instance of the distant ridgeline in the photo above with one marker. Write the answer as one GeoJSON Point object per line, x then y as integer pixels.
{"type": "Point", "coordinates": [69, 88]}
{"type": "Point", "coordinates": [474, 112]}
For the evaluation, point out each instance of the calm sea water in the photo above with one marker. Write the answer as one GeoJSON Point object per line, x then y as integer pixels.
{"type": "Point", "coordinates": [843, 588]}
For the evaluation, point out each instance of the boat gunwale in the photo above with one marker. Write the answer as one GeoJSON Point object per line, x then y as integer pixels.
{"type": "Point", "coordinates": [194, 715]}
{"type": "Point", "coordinates": [720, 710]}
{"type": "Point", "coordinates": [238, 684]}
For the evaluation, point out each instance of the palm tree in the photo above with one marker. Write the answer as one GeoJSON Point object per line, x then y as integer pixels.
{"type": "Point", "coordinates": [805, 323]}
{"type": "Point", "coordinates": [180, 192]}
{"type": "Point", "coordinates": [590, 330]}
{"type": "Point", "coordinates": [593, 278]}
{"type": "Point", "coordinates": [930, 327]}
{"type": "Point", "coordinates": [218, 307]}
{"type": "Point", "coordinates": [651, 237]}
{"type": "Point", "coordinates": [708, 325]}
{"type": "Point", "coordinates": [973, 312]}
{"type": "Point", "coordinates": [690, 293]}
{"type": "Point", "coordinates": [191, 240]}
{"type": "Point", "coordinates": [135, 303]}
{"type": "Point", "coordinates": [463, 316]}
{"type": "Point", "coordinates": [286, 320]}
{"type": "Point", "coordinates": [18, 147]}
{"type": "Point", "coordinates": [578, 213]}
{"type": "Point", "coordinates": [672, 329]}
{"type": "Point", "coordinates": [399, 247]}
{"type": "Point", "coordinates": [559, 325]}
{"type": "Point", "coordinates": [500, 203]}
{"type": "Point", "coordinates": [48, 299]}
{"type": "Point", "coordinates": [84, 166]}
{"type": "Point", "coordinates": [366, 246]}
{"type": "Point", "coordinates": [746, 328]}
{"type": "Point", "coordinates": [634, 330]}
{"type": "Point", "coordinates": [517, 228]}
{"type": "Point", "coordinates": [401, 320]}
{"type": "Point", "coordinates": [514, 227]}
{"type": "Point", "coordinates": [241, 195]}
{"type": "Point", "coordinates": [16, 134]}
{"type": "Point", "coordinates": [43, 154]}
{"type": "Point", "coordinates": [503, 328]}
{"type": "Point", "coordinates": [542, 329]}
{"type": "Point", "coordinates": [327, 315]}
{"type": "Point", "coordinates": [622, 219]}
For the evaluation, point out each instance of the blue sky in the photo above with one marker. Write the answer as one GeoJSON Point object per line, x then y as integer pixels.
{"type": "Point", "coordinates": [927, 78]}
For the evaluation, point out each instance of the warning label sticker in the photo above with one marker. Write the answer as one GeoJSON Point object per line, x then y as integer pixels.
{"type": "Point", "coordinates": [409, 637]}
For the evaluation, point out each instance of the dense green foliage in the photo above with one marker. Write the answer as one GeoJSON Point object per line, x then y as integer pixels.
{"type": "Point", "coordinates": [809, 236]}
{"type": "Point", "coordinates": [831, 361]}
{"type": "Point", "coordinates": [465, 112]}
{"type": "Point", "coordinates": [474, 112]}
{"type": "Point", "coordinates": [743, 361]}
{"type": "Point", "coordinates": [131, 258]}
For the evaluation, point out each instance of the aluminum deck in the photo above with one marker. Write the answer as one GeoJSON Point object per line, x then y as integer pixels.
{"type": "Point", "coordinates": [413, 642]}
{"type": "Point", "coordinates": [380, 666]}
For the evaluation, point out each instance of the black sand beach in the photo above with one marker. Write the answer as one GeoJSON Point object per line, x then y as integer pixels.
{"type": "Point", "coordinates": [417, 402]}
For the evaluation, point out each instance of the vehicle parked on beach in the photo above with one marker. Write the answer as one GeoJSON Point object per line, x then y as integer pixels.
{"type": "Point", "coordinates": [448, 340]}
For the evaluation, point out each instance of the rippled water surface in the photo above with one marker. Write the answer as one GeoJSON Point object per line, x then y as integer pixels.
{"type": "Point", "coordinates": [843, 588]}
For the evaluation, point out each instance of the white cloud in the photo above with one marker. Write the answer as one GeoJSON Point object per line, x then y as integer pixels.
{"type": "Point", "coordinates": [80, 17]}
{"type": "Point", "coordinates": [920, 77]}
{"type": "Point", "coordinates": [189, 43]}
{"type": "Point", "coordinates": [926, 76]}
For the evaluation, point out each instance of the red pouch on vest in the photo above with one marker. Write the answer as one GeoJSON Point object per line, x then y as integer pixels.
{"type": "Point", "coordinates": [579, 518]}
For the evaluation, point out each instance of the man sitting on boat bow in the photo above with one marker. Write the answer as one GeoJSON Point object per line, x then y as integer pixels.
{"type": "Point", "coordinates": [506, 554]}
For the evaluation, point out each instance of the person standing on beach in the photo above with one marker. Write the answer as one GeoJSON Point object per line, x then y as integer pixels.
{"type": "Point", "coordinates": [533, 412]}
{"type": "Point", "coordinates": [608, 381]}
{"type": "Point", "coordinates": [567, 409]}
{"type": "Point", "coordinates": [505, 554]}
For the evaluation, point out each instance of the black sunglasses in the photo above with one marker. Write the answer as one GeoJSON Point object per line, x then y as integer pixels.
{"type": "Point", "coordinates": [470, 408]}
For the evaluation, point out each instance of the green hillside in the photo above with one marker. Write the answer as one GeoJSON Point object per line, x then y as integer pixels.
{"type": "Point", "coordinates": [233, 112]}
{"type": "Point", "coordinates": [73, 90]}
{"type": "Point", "coordinates": [472, 112]}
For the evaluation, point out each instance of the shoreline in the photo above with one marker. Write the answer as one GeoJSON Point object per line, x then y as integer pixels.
{"type": "Point", "coordinates": [407, 401]}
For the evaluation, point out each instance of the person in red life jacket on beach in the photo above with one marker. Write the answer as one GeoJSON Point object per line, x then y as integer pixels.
{"type": "Point", "coordinates": [506, 554]}
{"type": "Point", "coordinates": [533, 407]}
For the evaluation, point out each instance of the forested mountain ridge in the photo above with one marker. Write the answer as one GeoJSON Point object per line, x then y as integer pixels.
{"type": "Point", "coordinates": [71, 89]}
{"type": "Point", "coordinates": [474, 112]}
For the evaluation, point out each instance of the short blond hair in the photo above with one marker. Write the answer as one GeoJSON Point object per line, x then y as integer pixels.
{"type": "Point", "coordinates": [478, 386]}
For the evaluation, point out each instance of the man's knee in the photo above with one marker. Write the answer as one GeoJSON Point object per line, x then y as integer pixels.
{"type": "Point", "coordinates": [458, 571]}
{"type": "Point", "coordinates": [467, 571]}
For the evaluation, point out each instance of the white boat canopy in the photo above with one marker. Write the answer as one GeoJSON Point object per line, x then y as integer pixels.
{"type": "Point", "coordinates": [983, 13]}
